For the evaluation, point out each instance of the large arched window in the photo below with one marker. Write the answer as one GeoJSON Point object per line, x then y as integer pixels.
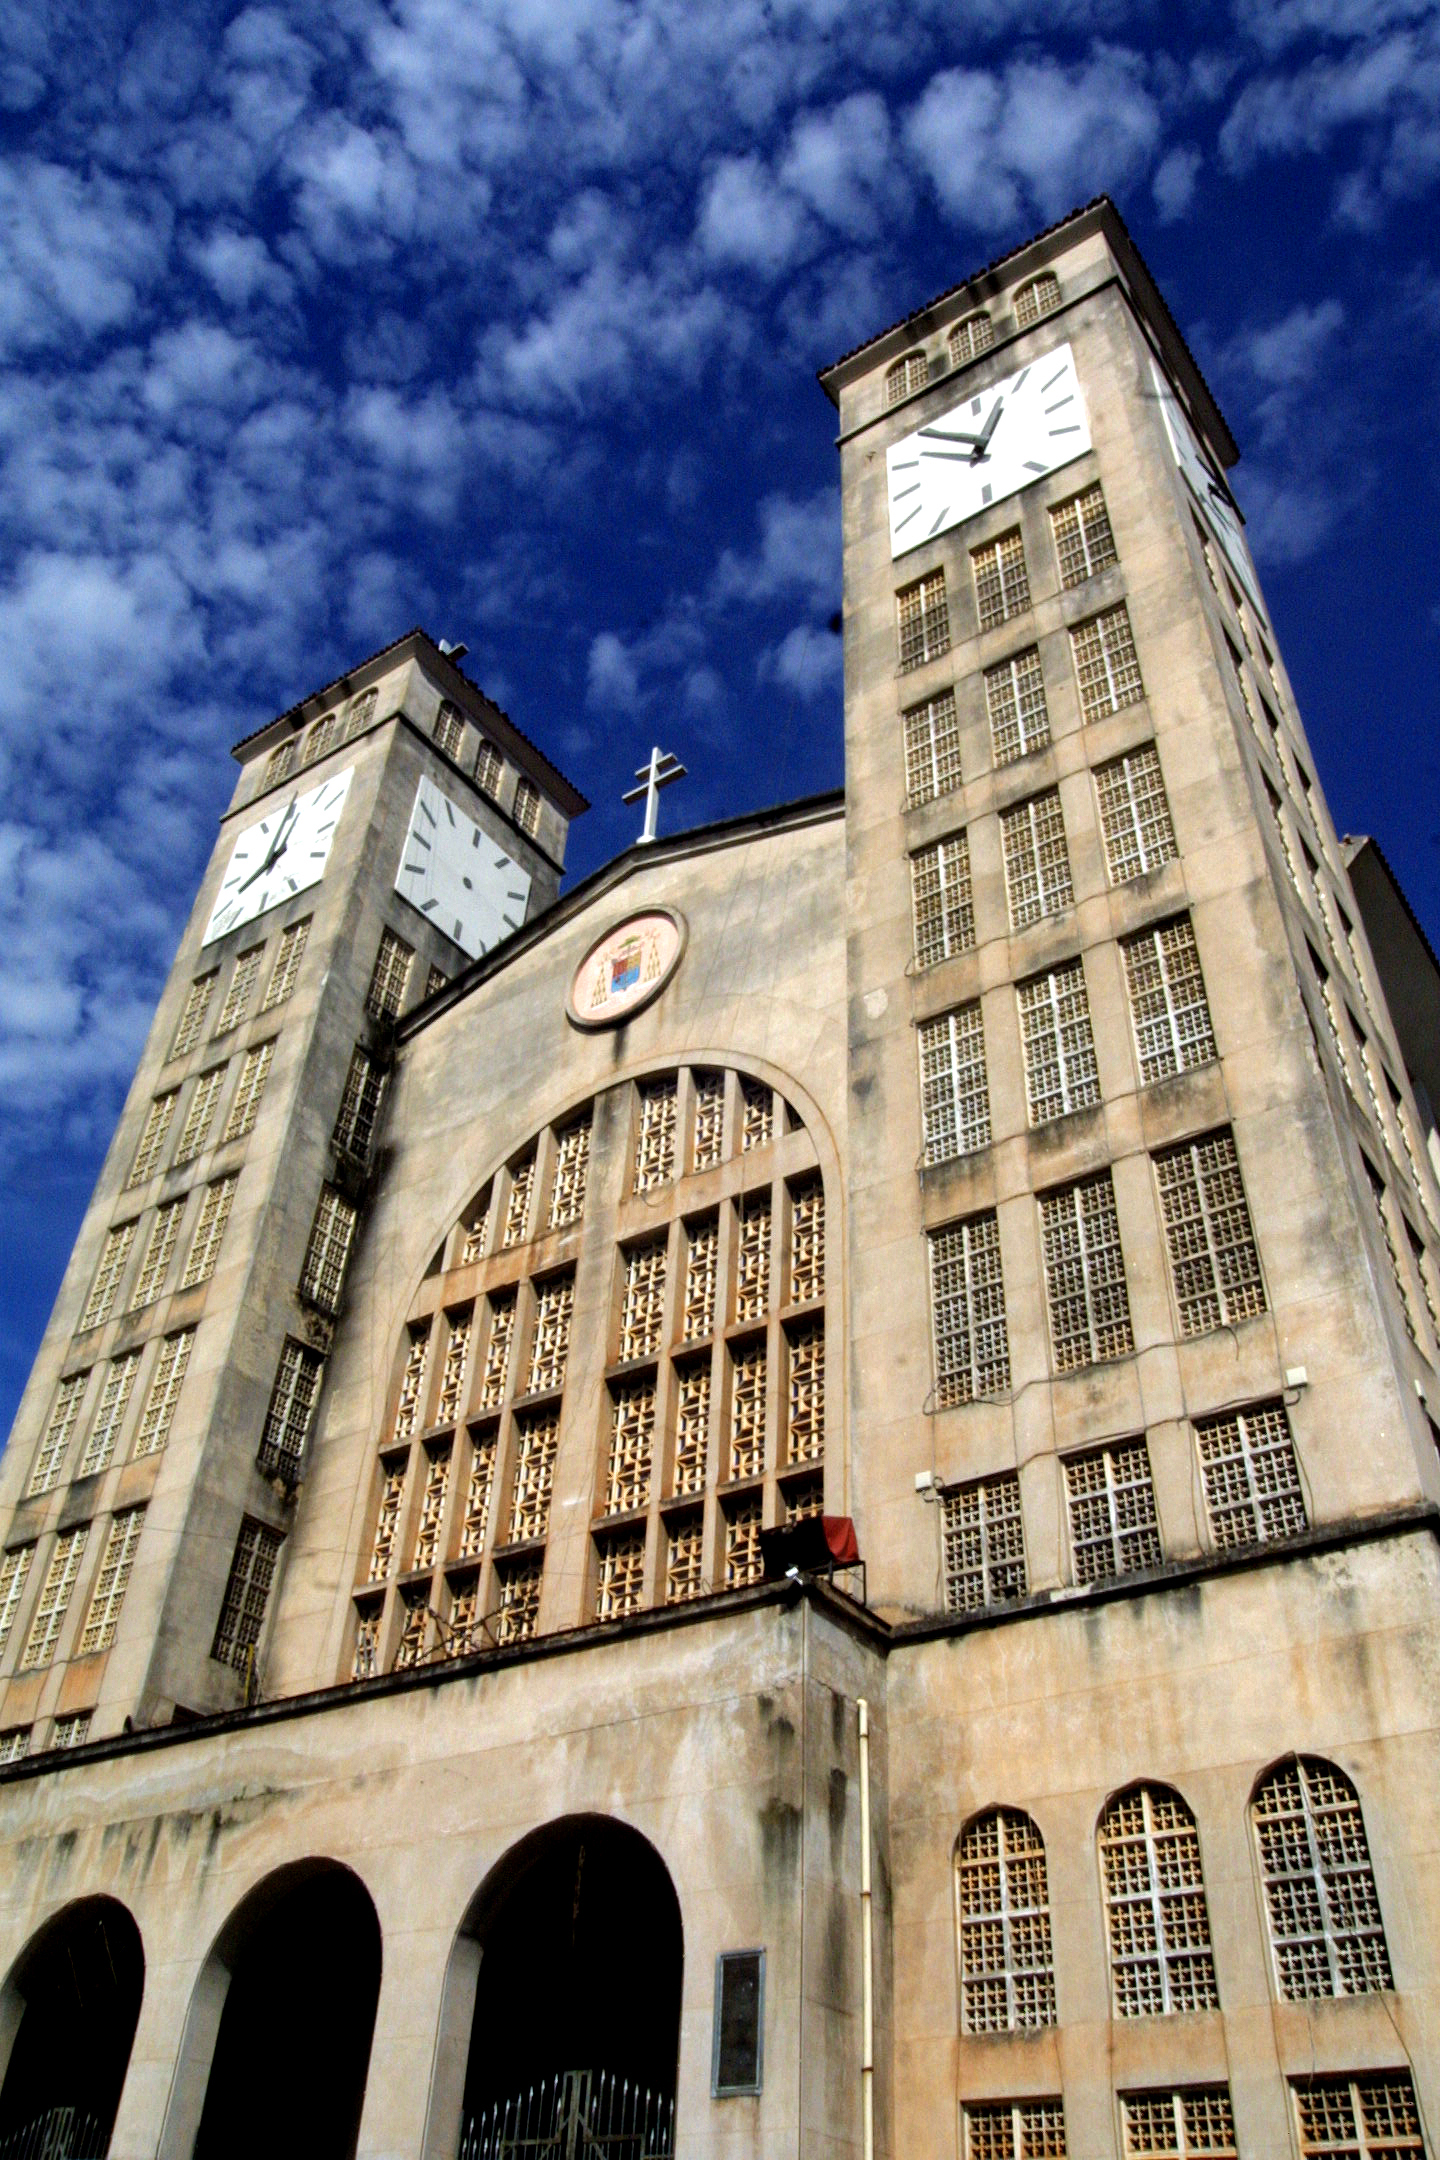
{"type": "Point", "coordinates": [1158, 1922]}
{"type": "Point", "coordinates": [1007, 1970]}
{"type": "Point", "coordinates": [1325, 1925]}
{"type": "Point", "coordinates": [634, 1305]}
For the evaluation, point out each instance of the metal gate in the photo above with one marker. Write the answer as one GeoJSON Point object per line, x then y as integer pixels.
{"type": "Point", "coordinates": [61, 2133]}
{"type": "Point", "coordinates": [574, 2115]}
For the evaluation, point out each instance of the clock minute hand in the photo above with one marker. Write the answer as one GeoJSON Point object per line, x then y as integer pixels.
{"type": "Point", "coordinates": [988, 430]}
{"type": "Point", "coordinates": [275, 849]}
{"type": "Point", "coordinates": [950, 435]}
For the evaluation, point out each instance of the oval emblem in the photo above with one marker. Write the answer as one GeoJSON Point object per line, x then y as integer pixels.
{"type": "Point", "coordinates": [626, 968]}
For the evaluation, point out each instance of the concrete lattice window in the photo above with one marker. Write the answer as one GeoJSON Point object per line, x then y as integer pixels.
{"type": "Point", "coordinates": [107, 1276]}
{"type": "Point", "coordinates": [684, 1562]}
{"type": "Point", "coordinates": [412, 1381]}
{"type": "Point", "coordinates": [479, 1487]}
{"type": "Point", "coordinates": [449, 729]}
{"type": "Point", "coordinates": [1207, 556]}
{"type": "Point", "coordinates": [292, 1408]}
{"type": "Point", "coordinates": [518, 1613]}
{"type": "Point", "coordinates": [632, 1447]}
{"type": "Point", "coordinates": [156, 1264]}
{"type": "Point", "coordinates": [1002, 582]}
{"type": "Point", "coordinates": [1214, 1261]}
{"type": "Point", "coordinates": [1015, 2130]}
{"type": "Point", "coordinates": [247, 1593]}
{"type": "Point", "coordinates": [757, 1114]}
{"type": "Point", "coordinates": [71, 1732]}
{"type": "Point", "coordinates": [655, 1139]}
{"type": "Point", "coordinates": [414, 1628]}
{"type": "Point", "coordinates": [642, 1301]}
{"type": "Point", "coordinates": [209, 1230]}
{"type": "Point", "coordinates": [360, 1103]}
{"type": "Point", "coordinates": [242, 987]}
{"type": "Point", "coordinates": [327, 1255]}
{"type": "Point", "coordinates": [366, 1662]}
{"type": "Point", "coordinates": [942, 900]}
{"type": "Point", "coordinates": [1373, 2116]}
{"type": "Point", "coordinates": [459, 1327]}
{"type": "Point", "coordinates": [1158, 1920]}
{"type": "Point", "coordinates": [281, 762]}
{"type": "Point", "coordinates": [967, 1305]}
{"type": "Point", "coordinates": [709, 1146]}
{"type": "Point", "coordinates": [1106, 663]}
{"type": "Point", "coordinates": [517, 1207]}
{"type": "Point", "coordinates": [743, 1561]}
{"type": "Point", "coordinates": [1007, 1962]}
{"type": "Point", "coordinates": [1015, 702]}
{"type": "Point", "coordinates": [389, 976]}
{"type": "Point", "coordinates": [1382, 1217]}
{"type": "Point", "coordinates": [1039, 298]}
{"type": "Point", "coordinates": [528, 800]}
{"type": "Point", "coordinates": [1037, 861]}
{"type": "Point", "coordinates": [288, 957]}
{"type": "Point", "coordinates": [805, 1398]}
{"type": "Point", "coordinates": [254, 1072]}
{"type": "Point", "coordinates": [984, 1542]}
{"type": "Point", "coordinates": [1326, 1931]}
{"type": "Point", "coordinates": [433, 1496]}
{"type": "Point", "coordinates": [550, 1343]}
{"type": "Point", "coordinates": [924, 620]}
{"type": "Point", "coordinates": [536, 1438]}
{"type": "Point", "coordinates": [196, 1129]}
{"type": "Point", "coordinates": [192, 1016]}
{"type": "Point", "coordinates": [692, 1427]}
{"type": "Point", "coordinates": [910, 373]}
{"type": "Point", "coordinates": [1168, 1007]}
{"type": "Point", "coordinates": [151, 1144]}
{"type": "Point", "coordinates": [932, 749]}
{"type": "Point", "coordinates": [460, 1626]}
{"type": "Point", "coordinates": [55, 1592]}
{"type": "Point", "coordinates": [1252, 1480]}
{"type": "Point", "coordinates": [113, 1581]}
{"type": "Point", "coordinates": [752, 1280]}
{"type": "Point", "coordinates": [807, 1241]}
{"type": "Point", "coordinates": [14, 1574]}
{"type": "Point", "coordinates": [497, 1351]}
{"type": "Point", "coordinates": [1193, 2121]}
{"type": "Point", "coordinates": [387, 1521]}
{"type": "Point", "coordinates": [1134, 815]}
{"type": "Point", "coordinates": [435, 979]}
{"type": "Point", "coordinates": [1084, 542]}
{"type": "Point", "coordinates": [318, 740]}
{"type": "Point", "coordinates": [1111, 1500]}
{"type": "Point", "coordinates": [165, 1385]}
{"type": "Point", "coordinates": [620, 1576]}
{"type": "Point", "coordinates": [110, 1415]}
{"type": "Point", "coordinates": [701, 1259]}
{"type": "Point", "coordinates": [749, 1378]}
{"type": "Point", "coordinates": [1061, 1073]}
{"type": "Point", "coordinates": [489, 768]}
{"type": "Point", "coordinates": [572, 1171]}
{"type": "Point", "coordinates": [805, 1499]}
{"type": "Point", "coordinates": [954, 1093]}
{"type": "Point", "coordinates": [360, 714]}
{"type": "Point", "coordinates": [14, 1744]}
{"type": "Point", "coordinates": [1084, 1274]}
{"type": "Point", "coordinates": [971, 336]}
{"type": "Point", "coordinates": [45, 1470]}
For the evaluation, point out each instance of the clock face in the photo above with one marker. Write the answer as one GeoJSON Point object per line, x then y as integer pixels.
{"type": "Point", "coordinates": [1210, 492]}
{"type": "Point", "coordinates": [281, 855]}
{"type": "Point", "coordinates": [993, 445]}
{"type": "Point", "coordinates": [458, 876]}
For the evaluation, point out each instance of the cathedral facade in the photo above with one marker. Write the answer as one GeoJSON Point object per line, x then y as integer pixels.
{"type": "Point", "coordinates": [784, 1503]}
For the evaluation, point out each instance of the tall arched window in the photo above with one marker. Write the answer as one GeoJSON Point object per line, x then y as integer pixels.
{"type": "Point", "coordinates": [1007, 1969]}
{"type": "Point", "coordinates": [1325, 1925]}
{"type": "Point", "coordinates": [909, 373]}
{"type": "Point", "coordinates": [1158, 1922]}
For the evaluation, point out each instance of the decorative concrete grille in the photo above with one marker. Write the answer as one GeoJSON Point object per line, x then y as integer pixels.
{"type": "Point", "coordinates": [449, 728]}
{"type": "Point", "coordinates": [359, 1106]}
{"type": "Point", "coordinates": [1169, 1011]}
{"type": "Point", "coordinates": [1422, 1276]}
{"type": "Point", "coordinates": [757, 1115]}
{"type": "Point", "coordinates": [924, 618]}
{"type": "Point", "coordinates": [1252, 1480]}
{"type": "Point", "coordinates": [114, 1402]}
{"type": "Point", "coordinates": [15, 1744]}
{"type": "Point", "coordinates": [1015, 2130]}
{"type": "Point", "coordinates": [113, 1581]}
{"type": "Point", "coordinates": [684, 1560]}
{"type": "Point", "coordinates": [1002, 583]}
{"type": "Point", "coordinates": [415, 1626]}
{"type": "Point", "coordinates": [519, 1609]}
{"type": "Point", "coordinates": [366, 1662]}
{"type": "Point", "coordinates": [517, 1207]}
{"type": "Point", "coordinates": [1338, 1018]}
{"type": "Point", "coordinates": [71, 1732]}
{"type": "Point", "coordinates": [107, 1276]}
{"type": "Point", "coordinates": [1039, 298]}
{"type": "Point", "coordinates": [527, 806]}
{"type": "Point", "coordinates": [942, 900]}
{"type": "Point", "coordinates": [971, 336]}
{"type": "Point", "coordinates": [412, 1382]}
{"type": "Point", "coordinates": [572, 1170]}
{"type": "Point", "coordinates": [327, 1255]}
{"type": "Point", "coordinates": [550, 1346]}
{"type": "Point", "coordinates": [804, 1498]}
{"type": "Point", "coordinates": [535, 1442]}
{"type": "Point", "coordinates": [642, 1305]}
{"type": "Point", "coordinates": [909, 373]}
{"type": "Point", "coordinates": [1084, 542]}
{"type": "Point", "coordinates": [807, 1242]}
{"type": "Point", "coordinates": [805, 1406]}
{"type": "Point", "coordinates": [743, 1562]}
{"type": "Point", "coordinates": [1207, 556]}
{"type": "Point", "coordinates": [1283, 837]}
{"type": "Point", "coordinates": [1325, 1925]}
{"type": "Point", "coordinates": [632, 1445]}
{"type": "Point", "coordinates": [154, 1267]}
{"type": "Point", "coordinates": [1007, 1964]}
{"type": "Point", "coordinates": [1015, 703]}
{"type": "Point", "coordinates": [387, 1522]}
{"type": "Point", "coordinates": [1382, 1216]}
{"type": "Point", "coordinates": [692, 1426]}
{"type": "Point", "coordinates": [1061, 1074]}
{"type": "Point", "coordinates": [153, 1137]}
{"type": "Point", "coordinates": [984, 1542]}
{"type": "Point", "coordinates": [477, 1232]}
{"type": "Point", "coordinates": [1374, 2117]}
{"type": "Point", "coordinates": [1134, 815]}
{"type": "Point", "coordinates": [318, 741]}
{"type": "Point", "coordinates": [655, 1140]}
{"type": "Point", "coordinates": [460, 1631]}
{"type": "Point", "coordinates": [932, 749]}
{"type": "Point", "coordinates": [452, 1375]}
{"type": "Point", "coordinates": [479, 1487]}
{"type": "Point", "coordinates": [165, 1385]}
{"type": "Point", "coordinates": [749, 1372]}
{"type": "Point", "coordinates": [209, 1230]}
{"type": "Point", "coordinates": [281, 762]}
{"type": "Point", "coordinates": [242, 985]}
{"type": "Point", "coordinates": [435, 979]}
{"type": "Point", "coordinates": [1037, 862]}
{"type": "Point", "coordinates": [287, 965]}
{"type": "Point", "coordinates": [1269, 658]}
{"type": "Point", "coordinates": [362, 712]}
{"type": "Point", "coordinates": [489, 769]}
{"type": "Point", "coordinates": [192, 1016]}
{"type": "Point", "coordinates": [292, 1406]}
{"type": "Point", "coordinates": [432, 1508]}
{"type": "Point", "coordinates": [700, 1263]}
{"type": "Point", "coordinates": [1178, 2125]}
{"type": "Point", "coordinates": [1213, 1256]}
{"type": "Point", "coordinates": [195, 1130]}
{"type": "Point", "coordinates": [45, 1471]}
{"type": "Point", "coordinates": [497, 1351]}
{"type": "Point", "coordinates": [14, 1574]}
{"type": "Point", "coordinates": [1106, 663]}
{"type": "Point", "coordinates": [1113, 1528]}
{"type": "Point", "coordinates": [389, 977]}
{"type": "Point", "coordinates": [752, 1274]}
{"type": "Point", "coordinates": [620, 1584]}
{"type": "Point", "coordinates": [709, 1119]}
{"type": "Point", "coordinates": [1159, 1925]}
{"type": "Point", "coordinates": [254, 1072]}
{"type": "Point", "coordinates": [247, 1592]}
{"type": "Point", "coordinates": [1401, 1117]}
{"type": "Point", "coordinates": [967, 1305]}
{"type": "Point", "coordinates": [1084, 1274]}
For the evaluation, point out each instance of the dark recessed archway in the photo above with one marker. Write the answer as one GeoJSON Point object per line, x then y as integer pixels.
{"type": "Point", "coordinates": [72, 2001]}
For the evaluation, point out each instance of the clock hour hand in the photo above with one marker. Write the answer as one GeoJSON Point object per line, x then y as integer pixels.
{"type": "Point", "coordinates": [989, 428]}
{"type": "Point", "coordinates": [950, 435]}
{"type": "Point", "coordinates": [276, 848]}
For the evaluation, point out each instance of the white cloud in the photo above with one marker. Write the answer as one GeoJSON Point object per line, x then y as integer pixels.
{"type": "Point", "coordinates": [747, 219]}
{"type": "Point", "coordinates": [798, 552]}
{"type": "Point", "coordinates": [807, 661]}
{"type": "Point", "coordinates": [1173, 185]}
{"type": "Point", "coordinates": [75, 253]}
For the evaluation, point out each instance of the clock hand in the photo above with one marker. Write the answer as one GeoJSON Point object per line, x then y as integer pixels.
{"type": "Point", "coordinates": [989, 428]}
{"type": "Point", "coordinates": [276, 848]}
{"type": "Point", "coordinates": [950, 435]}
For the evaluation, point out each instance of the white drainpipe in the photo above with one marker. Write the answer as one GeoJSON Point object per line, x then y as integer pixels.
{"type": "Point", "coordinates": [867, 1951]}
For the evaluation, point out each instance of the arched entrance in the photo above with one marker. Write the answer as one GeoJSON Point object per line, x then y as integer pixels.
{"type": "Point", "coordinates": [576, 2024]}
{"type": "Point", "coordinates": [69, 2010]}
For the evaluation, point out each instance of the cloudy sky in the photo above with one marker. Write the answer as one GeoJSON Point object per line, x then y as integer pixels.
{"type": "Point", "coordinates": [503, 316]}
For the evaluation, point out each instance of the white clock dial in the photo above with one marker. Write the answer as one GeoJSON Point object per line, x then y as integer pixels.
{"type": "Point", "coordinates": [1209, 490]}
{"type": "Point", "coordinates": [280, 855]}
{"type": "Point", "coordinates": [455, 874]}
{"type": "Point", "coordinates": [989, 447]}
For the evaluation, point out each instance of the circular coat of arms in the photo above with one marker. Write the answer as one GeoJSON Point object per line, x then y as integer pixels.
{"type": "Point", "coordinates": [626, 968]}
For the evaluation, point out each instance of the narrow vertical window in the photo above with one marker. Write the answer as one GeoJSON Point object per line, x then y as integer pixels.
{"type": "Point", "coordinates": [1174, 2125]}
{"type": "Point", "coordinates": [497, 1351]}
{"type": "Point", "coordinates": [192, 1015]}
{"type": "Point", "coordinates": [14, 1574]}
{"type": "Point", "coordinates": [1252, 1480]}
{"type": "Point", "coordinates": [241, 990]}
{"type": "Point", "coordinates": [107, 1276]}
{"type": "Point", "coordinates": [209, 1230]}
{"type": "Point", "coordinates": [55, 1592]}
{"type": "Point", "coordinates": [757, 1114]}
{"type": "Point", "coordinates": [1002, 582]}
{"type": "Point", "coordinates": [642, 1303]}
{"type": "Point", "coordinates": [536, 1436]}
{"type": "Point", "coordinates": [684, 1562]}
{"type": "Point", "coordinates": [254, 1072]}
{"type": "Point", "coordinates": [620, 1579]}
{"type": "Point", "coordinates": [1037, 862]}
{"type": "Point", "coordinates": [752, 1273]}
{"type": "Point", "coordinates": [924, 620]}
{"type": "Point", "coordinates": [1159, 1923]}
{"type": "Point", "coordinates": [1113, 1528]}
{"type": "Point", "coordinates": [1134, 815]}
{"type": "Point", "coordinates": [550, 1345]}
{"type": "Point", "coordinates": [71, 1732]}
{"type": "Point", "coordinates": [1006, 1961]}
{"type": "Point", "coordinates": [449, 729]}
{"type": "Point", "coordinates": [112, 1582]}
{"type": "Point", "coordinates": [743, 1560]}
{"type": "Point", "coordinates": [709, 1119]}
{"type": "Point", "coordinates": [151, 1144]}
{"type": "Point", "coordinates": [247, 1593]}
{"type": "Point", "coordinates": [700, 1263]}
{"type": "Point", "coordinates": [287, 965]}
{"type": "Point", "coordinates": [807, 1242]}
{"type": "Point", "coordinates": [156, 1264]}
{"type": "Point", "coordinates": [361, 712]}
{"type": "Point", "coordinates": [414, 1627]}
{"type": "Point", "coordinates": [516, 1226]}
{"type": "Point", "coordinates": [1061, 1073]}
{"type": "Point", "coordinates": [805, 1396]}
{"type": "Point", "coordinates": [1015, 2130]}
{"type": "Point", "coordinates": [971, 336]}
{"type": "Point", "coordinates": [110, 1416]}
{"type": "Point", "coordinates": [435, 979]}
{"type": "Point", "coordinates": [280, 763]}
{"type": "Point", "coordinates": [1106, 664]}
{"type": "Point", "coordinates": [489, 768]}
{"type": "Point", "coordinates": [196, 1130]}
{"type": "Point", "coordinates": [518, 1616]}
{"type": "Point", "coordinates": [359, 1111]}
{"type": "Point", "coordinates": [655, 1139]}
{"type": "Point", "coordinates": [1084, 542]}
{"type": "Point", "coordinates": [412, 1381]}
{"type": "Point", "coordinates": [954, 1093]}
{"type": "Point", "coordinates": [318, 740]}
{"type": "Point", "coordinates": [749, 1376]}
{"type": "Point", "coordinates": [1214, 1262]}
{"type": "Point", "coordinates": [692, 1426]}
{"type": "Point", "coordinates": [165, 1385]}
{"type": "Point", "coordinates": [389, 977]}
{"type": "Point", "coordinates": [1015, 703]}
{"type": "Point", "coordinates": [572, 1169]}
{"type": "Point", "coordinates": [984, 1542]}
{"type": "Point", "coordinates": [942, 900]}
{"type": "Point", "coordinates": [527, 806]}
{"type": "Point", "coordinates": [387, 1520]}
{"type": "Point", "coordinates": [45, 1471]}
{"type": "Point", "coordinates": [1374, 2116]}
{"type": "Point", "coordinates": [909, 373]}
{"type": "Point", "coordinates": [432, 1506]}
{"type": "Point", "coordinates": [1325, 1925]}
{"type": "Point", "coordinates": [459, 1327]}
{"type": "Point", "coordinates": [1382, 1217]}
{"type": "Point", "coordinates": [292, 1408]}
{"type": "Point", "coordinates": [478, 1490]}
{"type": "Point", "coordinates": [1039, 298]}
{"type": "Point", "coordinates": [932, 749]}
{"type": "Point", "coordinates": [967, 1305]}
{"type": "Point", "coordinates": [327, 1255]}
{"type": "Point", "coordinates": [1168, 1008]}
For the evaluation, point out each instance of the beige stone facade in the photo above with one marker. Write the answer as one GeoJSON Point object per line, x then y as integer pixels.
{"type": "Point", "coordinates": [1015, 1157]}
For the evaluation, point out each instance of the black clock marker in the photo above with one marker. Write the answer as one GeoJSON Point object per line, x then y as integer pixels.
{"type": "Point", "coordinates": [1053, 379]}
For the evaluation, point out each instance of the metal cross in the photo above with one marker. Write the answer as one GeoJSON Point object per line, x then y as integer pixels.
{"type": "Point", "coordinates": [663, 767]}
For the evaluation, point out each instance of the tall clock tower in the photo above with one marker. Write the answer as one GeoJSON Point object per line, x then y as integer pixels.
{"type": "Point", "coordinates": [383, 834]}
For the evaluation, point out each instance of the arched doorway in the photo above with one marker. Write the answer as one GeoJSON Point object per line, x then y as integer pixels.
{"type": "Point", "coordinates": [71, 2004]}
{"type": "Point", "coordinates": [576, 2026]}
{"type": "Point", "coordinates": [292, 2051]}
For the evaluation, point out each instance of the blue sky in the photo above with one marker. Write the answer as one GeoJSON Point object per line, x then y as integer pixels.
{"type": "Point", "coordinates": [503, 316]}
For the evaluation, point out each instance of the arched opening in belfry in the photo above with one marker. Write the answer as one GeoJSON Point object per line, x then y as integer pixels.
{"type": "Point", "coordinates": [292, 2049]}
{"type": "Point", "coordinates": [575, 2032]}
{"type": "Point", "coordinates": [68, 2011]}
